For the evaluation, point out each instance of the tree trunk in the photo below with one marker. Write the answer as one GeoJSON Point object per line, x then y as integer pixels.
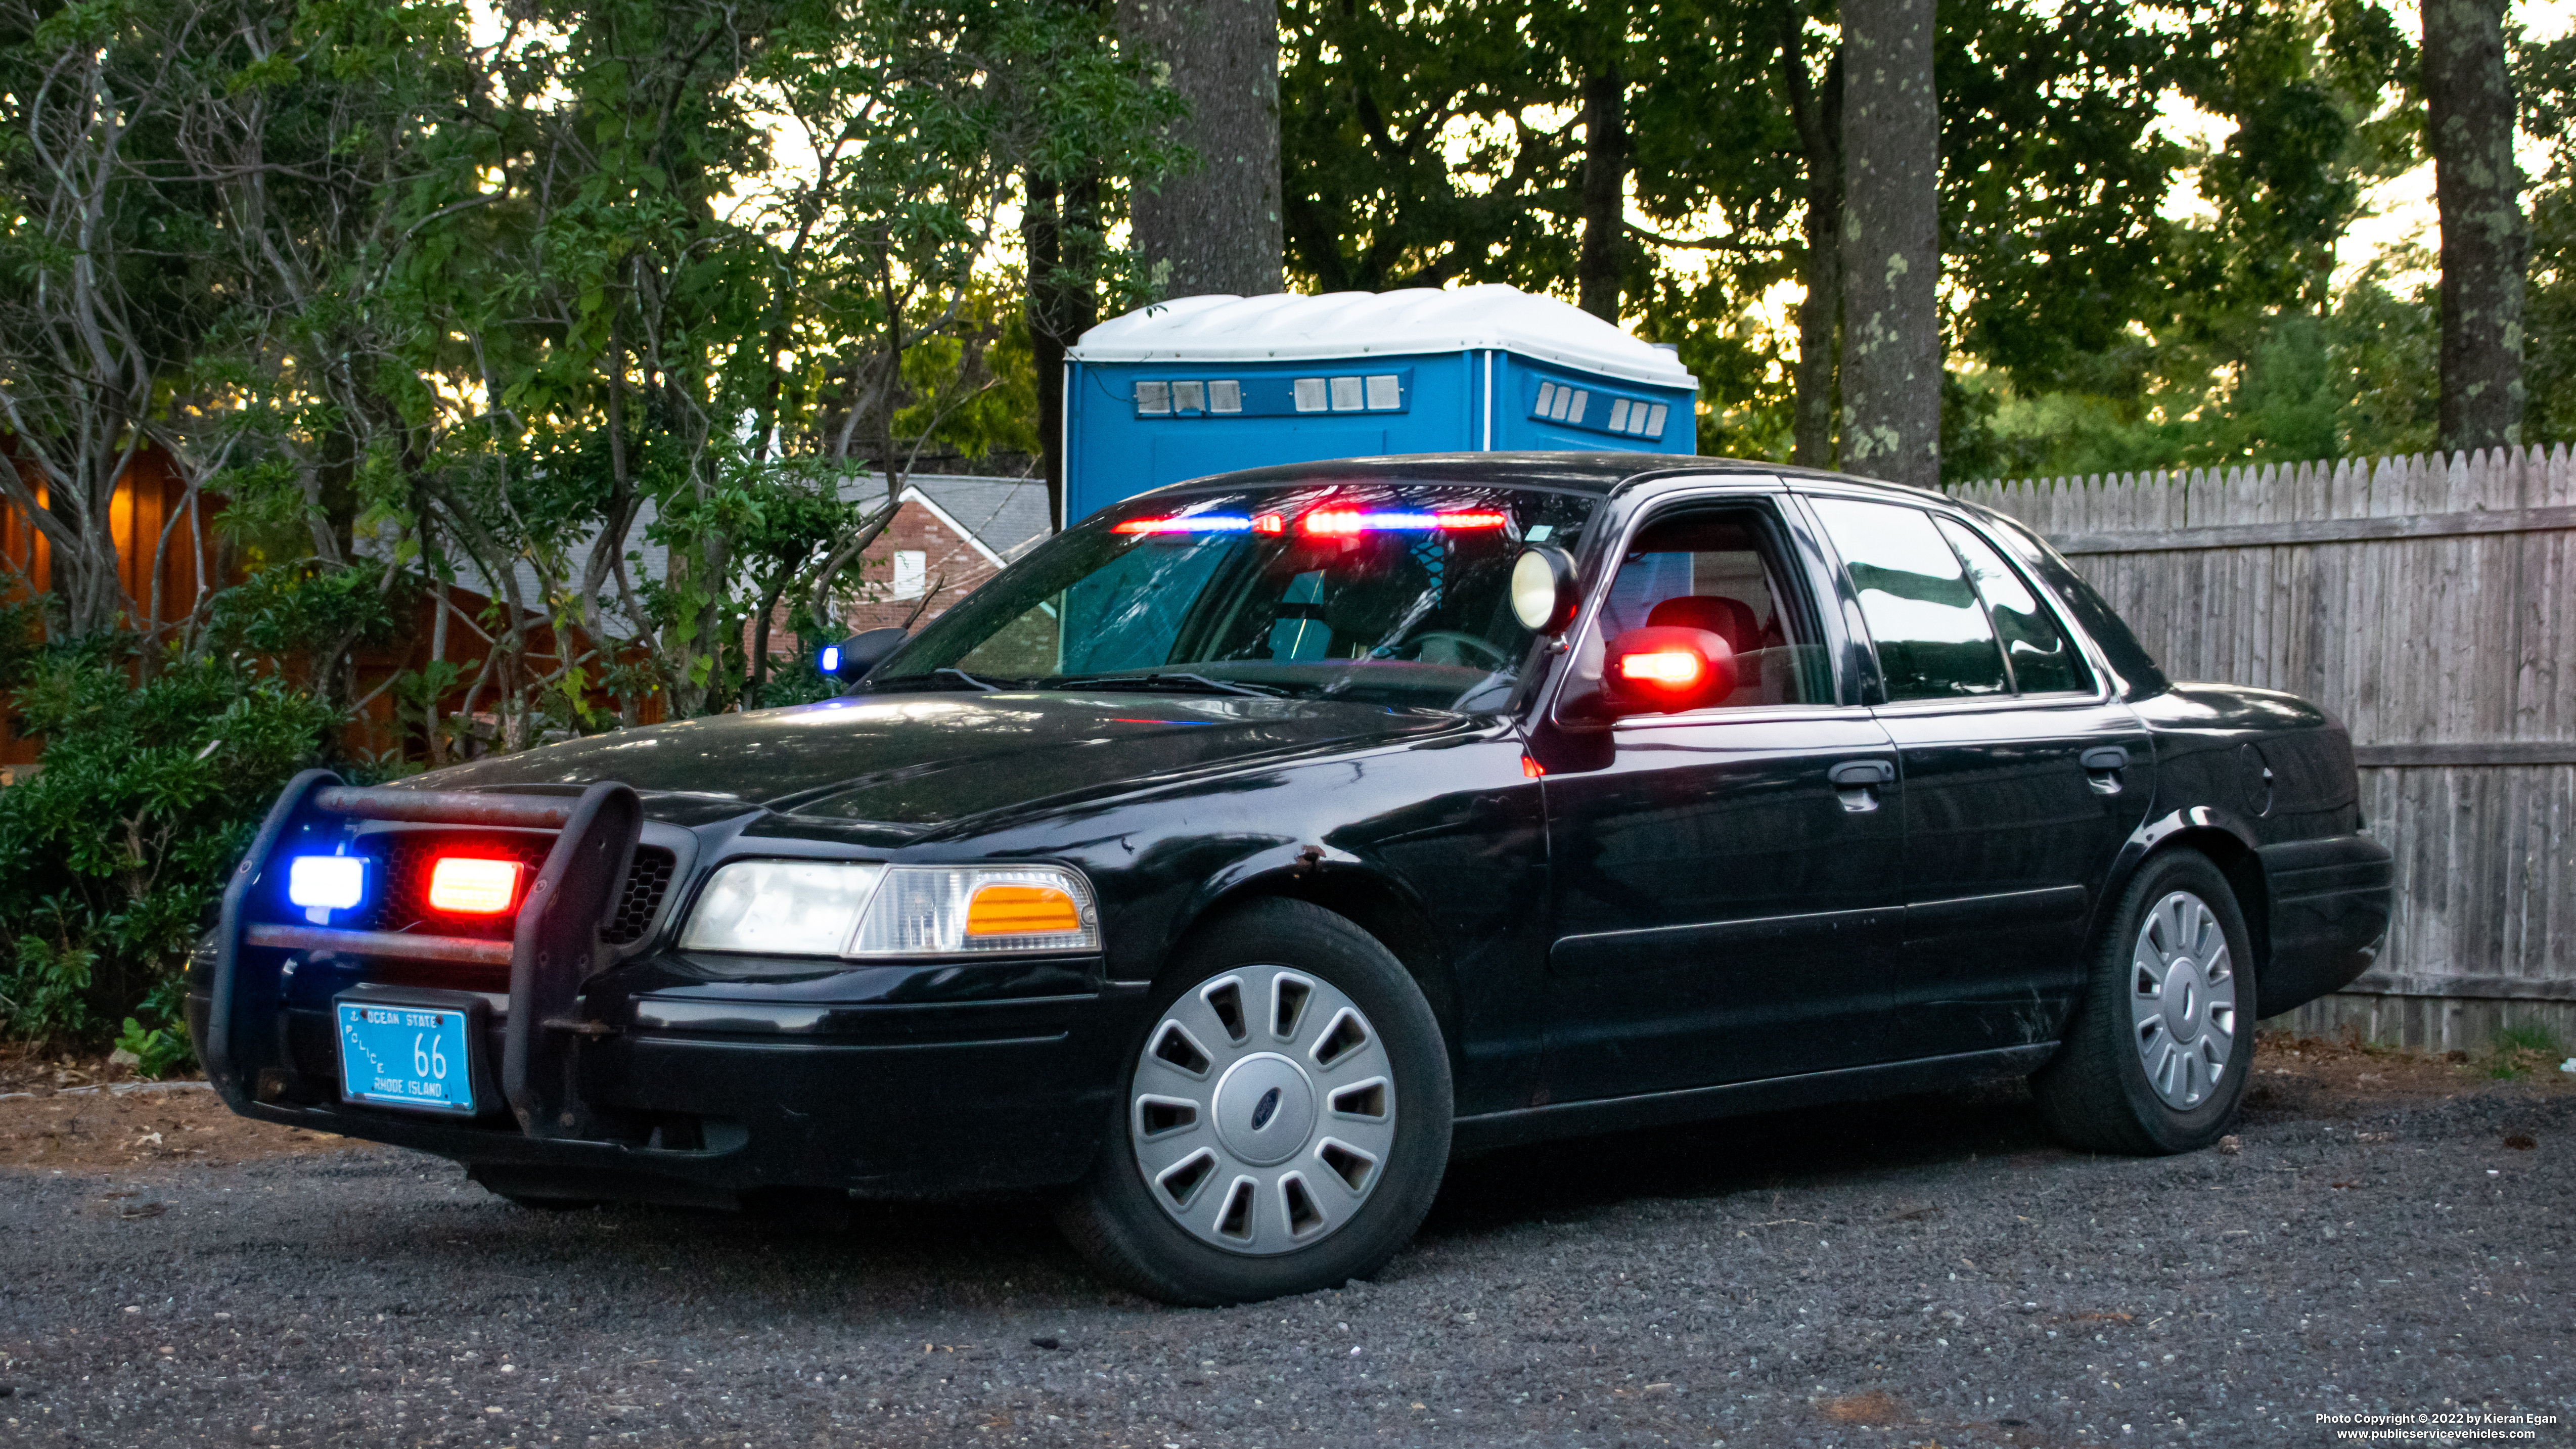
{"type": "Point", "coordinates": [1061, 231]}
{"type": "Point", "coordinates": [760, 642]}
{"type": "Point", "coordinates": [1817, 112]}
{"type": "Point", "coordinates": [2485, 243]}
{"type": "Point", "coordinates": [1891, 243]}
{"type": "Point", "coordinates": [1600, 267]}
{"type": "Point", "coordinates": [1216, 227]}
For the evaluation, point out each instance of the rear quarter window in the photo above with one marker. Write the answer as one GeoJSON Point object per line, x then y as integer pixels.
{"type": "Point", "coordinates": [2140, 676]}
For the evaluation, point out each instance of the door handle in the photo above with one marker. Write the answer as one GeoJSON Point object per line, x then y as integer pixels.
{"type": "Point", "coordinates": [2102, 767]}
{"type": "Point", "coordinates": [1854, 774]}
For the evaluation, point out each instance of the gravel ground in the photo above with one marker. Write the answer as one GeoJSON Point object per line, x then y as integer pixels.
{"type": "Point", "coordinates": [1930, 1271]}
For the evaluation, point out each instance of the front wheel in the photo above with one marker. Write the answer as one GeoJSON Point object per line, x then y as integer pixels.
{"type": "Point", "coordinates": [2157, 1058]}
{"type": "Point", "coordinates": [1283, 1123]}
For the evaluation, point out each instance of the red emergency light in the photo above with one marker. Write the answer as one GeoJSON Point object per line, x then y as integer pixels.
{"type": "Point", "coordinates": [466, 885]}
{"type": "Point", "coordinates": [1342, 522]}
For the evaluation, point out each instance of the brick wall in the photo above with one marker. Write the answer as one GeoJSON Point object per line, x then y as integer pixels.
{"type": "Point", "coordinates": [887, 587]}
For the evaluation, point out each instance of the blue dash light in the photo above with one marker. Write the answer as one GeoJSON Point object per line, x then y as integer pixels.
{"type": "Point", "coordinates": [325, 883]}
{"type": "Point", "coordinates": [829, 659]}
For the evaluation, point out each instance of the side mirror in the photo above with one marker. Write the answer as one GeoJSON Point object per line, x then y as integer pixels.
{"type": "Point", "coordinates": [1544, 593]}
{"type": "Point", "coordinates": [850, 660]}
{"type": "Point", "coordinates": [1666, 669]}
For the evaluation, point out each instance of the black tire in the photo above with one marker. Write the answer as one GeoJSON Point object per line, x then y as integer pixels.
{"type": "Point", "coordinates": [2095, 1093]}
{"type": "Point", "coordinates": [1112, 1216]}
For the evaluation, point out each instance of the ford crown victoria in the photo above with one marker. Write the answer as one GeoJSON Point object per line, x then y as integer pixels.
{"type": "Point", "coordinates": [1241, 854]}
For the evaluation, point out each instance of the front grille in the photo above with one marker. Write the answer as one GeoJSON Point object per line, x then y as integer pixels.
{"type": "Point", "coordinates": [404, 861]}
{"type": "Point", "coordinates": [647, 881]}
{"type": "Point", "coordinates": [404, 858]}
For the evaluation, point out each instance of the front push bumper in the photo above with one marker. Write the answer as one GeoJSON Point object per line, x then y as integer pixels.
{"type": "Point", "coordinates": [996, 1098]}
{"type": "Point", "coordinates": [628, 1079]}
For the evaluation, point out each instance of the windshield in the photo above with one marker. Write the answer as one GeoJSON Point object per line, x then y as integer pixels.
{"type": "Point", "coordinates": [1383, 593]}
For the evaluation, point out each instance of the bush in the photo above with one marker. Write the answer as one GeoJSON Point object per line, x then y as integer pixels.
{"type": "Point", "coordinates": [45, 992]}
{"type": "Point", "coordinates": [157, 1052]}
{"type": "Point", "coordinates": [113, 855]}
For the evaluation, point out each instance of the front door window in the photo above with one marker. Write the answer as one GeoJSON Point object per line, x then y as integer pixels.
{"type": "Point", "coordinates": [1719, 572]}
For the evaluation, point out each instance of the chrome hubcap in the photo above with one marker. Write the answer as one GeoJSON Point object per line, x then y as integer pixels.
{"type": "Point", "coordinates": [1263, 1110]}
{"type": "Point", "coordinates": [2182, 1000]}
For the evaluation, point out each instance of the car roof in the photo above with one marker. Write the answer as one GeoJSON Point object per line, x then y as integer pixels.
{"type": "Point", "coordinates": [1596, 473]}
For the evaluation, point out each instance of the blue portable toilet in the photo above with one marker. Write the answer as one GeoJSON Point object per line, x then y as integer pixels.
{"type": "Point", "coordinates": [1202, 385]}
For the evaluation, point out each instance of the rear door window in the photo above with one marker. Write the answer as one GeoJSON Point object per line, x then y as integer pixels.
{"type": "Point", "coordinates": [2042, 660]}
{"type": "Point", "coordinates": [1934, 640]}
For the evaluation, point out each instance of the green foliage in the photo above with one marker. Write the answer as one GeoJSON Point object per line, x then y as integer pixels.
{"type": "Point", "coordinates": [1428, 144]}
{"type": "Point", "coordinates": [2320, 94]}
{"type": "Point", "coordinates": [112, 854]}
{"type": "Point", "coordinates": [157, 1051]}
{"type": "Point", "coordinates": [288, 607]}
{"type": "Point", "coordinates": [2545, 77]}
{"type": "Point", "coordinates": [799, 680]}
{"type": "Point", "coordinates": [20, 646]}
{"type": "Point", "coordinates": [2053, 173]}
{"type": "Point", "coordinates": [1742, 367]}
{"type": "Point", "coordinates": [2357, 382]}
{"type": "Point", "coordinates": [2522, 1047]}
{"type": "Point", "coordinates": [44, 994]}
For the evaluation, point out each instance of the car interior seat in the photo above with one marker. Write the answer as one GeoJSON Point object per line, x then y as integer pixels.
{"type": "Point", "coordinates": [1729, 619]}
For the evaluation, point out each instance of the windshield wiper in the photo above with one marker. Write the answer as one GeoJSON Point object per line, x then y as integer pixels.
{"type": "Point", "coordinates": [1168, 684]}
{"type": "Point", "coordinates": [939, 679]}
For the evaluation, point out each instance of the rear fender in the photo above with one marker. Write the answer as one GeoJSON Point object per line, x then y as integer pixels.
{"type": "Point", "coordinates": [2223, 835]}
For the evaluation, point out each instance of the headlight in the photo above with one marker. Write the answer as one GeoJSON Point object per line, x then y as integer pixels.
{"type": "Point", "coordinates": [945, 910]}
{"type": "Point", "coordinates": [823, 908]}
{"type": "Point", "coordinates": [782, 907]}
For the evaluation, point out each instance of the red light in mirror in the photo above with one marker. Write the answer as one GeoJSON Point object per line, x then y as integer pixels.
{"type": "Point", "coordinates": [1663, 668]}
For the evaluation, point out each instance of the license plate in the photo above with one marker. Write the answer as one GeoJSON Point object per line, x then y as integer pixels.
{"type": "Point", "coordinates": [406, 1056]}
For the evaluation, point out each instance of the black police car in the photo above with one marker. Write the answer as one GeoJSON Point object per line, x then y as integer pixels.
{"type": "Point", "coordinates": [1240, 854]}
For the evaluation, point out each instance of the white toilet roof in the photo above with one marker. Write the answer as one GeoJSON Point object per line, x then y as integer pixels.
{"type": "Point", "coordinates": [1286, 327]}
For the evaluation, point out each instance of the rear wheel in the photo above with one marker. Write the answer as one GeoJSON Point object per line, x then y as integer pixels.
{"type": "Point", "coordinates": [2157, 1058]}
{"type": "Point", "coordinates": [1283, 1124]}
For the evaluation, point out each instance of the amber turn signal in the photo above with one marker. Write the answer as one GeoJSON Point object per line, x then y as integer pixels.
{"type": "Point", "coordinates": [1019, 910]}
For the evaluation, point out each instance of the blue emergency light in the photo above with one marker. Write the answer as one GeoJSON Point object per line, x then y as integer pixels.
{"type": "Point", "coordinates": [326, 882]}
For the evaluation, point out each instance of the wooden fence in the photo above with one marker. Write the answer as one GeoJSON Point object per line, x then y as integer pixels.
{"type": "Point", "coordinates": [2430, 603]}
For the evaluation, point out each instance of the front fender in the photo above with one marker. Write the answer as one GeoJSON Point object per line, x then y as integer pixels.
{"type": "Point", "coordinates": [1272, 870]}
{"type": "Point", "coordinates": [1437, 851]}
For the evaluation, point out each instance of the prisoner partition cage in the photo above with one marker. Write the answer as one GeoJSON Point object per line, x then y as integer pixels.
{"type": "Point", "coordinates": [2426, 601]}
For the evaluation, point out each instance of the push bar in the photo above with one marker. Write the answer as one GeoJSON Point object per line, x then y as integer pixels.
{"type": "Point", "coordinates": [456, 950]}
{"type": "Point", "coordinates": [446, 807]}
{"type": "Point", "coordinates": [554, 948]}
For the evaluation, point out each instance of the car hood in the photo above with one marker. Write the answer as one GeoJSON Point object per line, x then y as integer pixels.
{"type": "Point", "coordinates": [928, 759]}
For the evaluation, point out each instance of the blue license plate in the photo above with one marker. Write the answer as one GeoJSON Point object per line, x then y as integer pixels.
{"type": "Point", "coordinates": [406, 1056]}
